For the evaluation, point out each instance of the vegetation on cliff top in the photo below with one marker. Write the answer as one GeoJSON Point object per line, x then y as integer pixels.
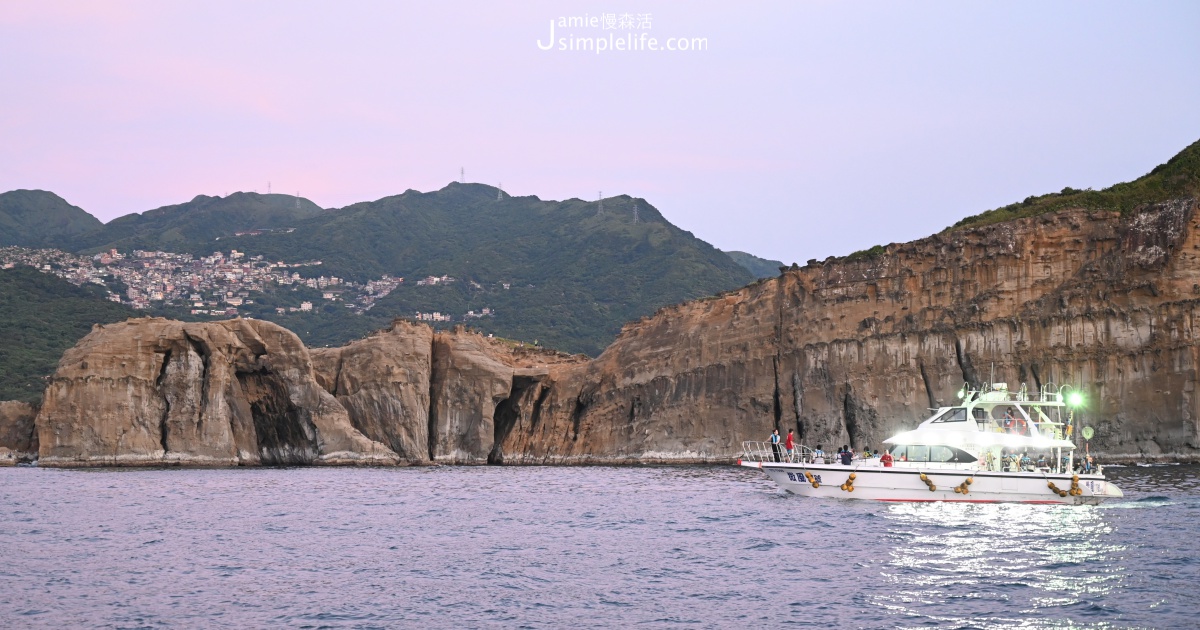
{"type": "Point", "coordinates": [41, 316]}
{"type": "Point", "coordinates": [866, 254]}
{"type": "Point", "coordinates": [1178, 177]}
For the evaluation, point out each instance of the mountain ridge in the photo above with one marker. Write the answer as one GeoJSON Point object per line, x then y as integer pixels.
{"type": "Point", "coordinates": [40, 218]}
{"type": "Point", "coordinates": [760, 267]}
{"type": "Point", "coordinates": [204, 219]}
{"type": "Point", "coordinates": [566, 273]}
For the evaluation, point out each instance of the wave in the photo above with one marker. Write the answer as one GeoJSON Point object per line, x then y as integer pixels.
{"type": "Point", "coordinates": [1143, 502]}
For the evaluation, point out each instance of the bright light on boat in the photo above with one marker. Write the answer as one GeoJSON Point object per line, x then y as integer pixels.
{"type": "Point", "coordinates": [1075, 399]}
{"type": "Point", "coordinates": [962, 393]}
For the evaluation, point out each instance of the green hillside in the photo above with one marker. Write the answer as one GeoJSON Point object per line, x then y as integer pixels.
{"type": "Point", "coordinates": [574, 274]}
{"type": "Point", "coordinates": [41, 316]}
{"type": "Point", "coordinates": [1179, 177]}
{"type": "Point", "coordinates": [194, 226]}
{"type": "Point", "coordinates": [760, 267]}
{"type": "Point", "coordinates": [40, 219]}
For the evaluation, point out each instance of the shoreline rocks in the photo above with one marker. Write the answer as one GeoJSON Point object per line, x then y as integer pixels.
{"type": "Point", "coordinates": [18, 438]}
{"type": "Point", "coordinates": [150, 392]}
{"type": "Point", "coordinates": [847, 351]}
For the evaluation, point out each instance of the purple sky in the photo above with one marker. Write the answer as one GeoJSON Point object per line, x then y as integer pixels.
{"type": "Point", "coordinates": [807, 129]}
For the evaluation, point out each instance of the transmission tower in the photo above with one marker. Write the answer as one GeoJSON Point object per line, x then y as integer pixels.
{"type": "Point", "coordinates": [600, 200]}
{"type": "Point", "coordinates": [462, 175]}
{"type": "Point", "coordinates": [297, 199]}
{"type": "Point", "coordinates": [268, 188]}
{"type": "Point", "coordinates": [636, 218]}
{"type": "Point", "coordinates": [499, 192]}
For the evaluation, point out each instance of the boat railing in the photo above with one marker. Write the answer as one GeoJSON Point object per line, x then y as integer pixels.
{"type": "Point", "coordinates": [1047, 394]}
{"type": "Point", "coordinates": [767, 452]}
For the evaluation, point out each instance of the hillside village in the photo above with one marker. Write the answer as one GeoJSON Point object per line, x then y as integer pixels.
{"type": "Point", "coordinates": [216, 285]}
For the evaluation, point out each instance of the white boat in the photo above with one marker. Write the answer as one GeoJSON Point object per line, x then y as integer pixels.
{"type": "Point", "coordinates": [994, 446]}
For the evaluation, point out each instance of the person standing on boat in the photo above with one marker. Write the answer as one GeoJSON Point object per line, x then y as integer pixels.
{"type": "Point", "coordinates": [775, 445]}
{"type": "Point", "coordinates": [789, 445]}
{"type": "Point", "coordinates": [847, 456]}
{"type": "Point", "coordinates": [818, 455]}
{"type": "Point", "coordinates": [886, 459]}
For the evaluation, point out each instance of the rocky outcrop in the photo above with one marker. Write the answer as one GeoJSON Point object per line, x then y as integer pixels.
{"type": "Point", "coordinates": [447, 397]}
{"type": "Point", "coordinates": [153, 392]}
{"type": "Point", "coordinates": [18, 440]}
{"type": "Point", "coordinates": [846, 351]}
{"type": "Point", "coordinates": [383, 383]}
{"type": "Point", "coordinates": [467, 383]}
{"type": "Point", "coordinates": [481, 390]}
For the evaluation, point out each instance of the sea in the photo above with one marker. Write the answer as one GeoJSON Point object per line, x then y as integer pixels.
{"type": "Point", "coordinates": [577, 547]}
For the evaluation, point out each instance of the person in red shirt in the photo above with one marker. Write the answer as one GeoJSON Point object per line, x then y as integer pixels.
{"type": "Point", "coordinates": [886, 459]}
{"type": "Point", "coordinates": [789, 444]}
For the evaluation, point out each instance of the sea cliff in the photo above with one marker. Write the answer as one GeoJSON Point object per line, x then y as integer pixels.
{"type": "Point", "coordinates": [845, 351]}
{"type": "Point", "coordinates": [852, 351]}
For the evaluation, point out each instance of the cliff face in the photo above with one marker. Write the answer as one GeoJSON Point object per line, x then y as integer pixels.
{"type": "Point", "coordinates": [383, 383]}
{"type": "Point", "coordinates": [446, 397]}
{"type": "Point", "coordinates": [18, 440]}
{"type": "Point", "coordinates": [843, 352]}
{"type": "Point", "coordinates": [850, 352]}
{"type": "Point", "coordinates": [153, 391]}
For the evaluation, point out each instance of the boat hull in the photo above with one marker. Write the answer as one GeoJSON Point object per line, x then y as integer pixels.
{"type": "Point", "coordinates": [905, 484]}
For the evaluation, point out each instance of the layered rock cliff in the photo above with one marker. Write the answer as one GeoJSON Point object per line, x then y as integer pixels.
{"type": "Point", "coordinates": [445, 397]}
{"type": "Point", "coordinates": [850, 352]}
{"type": "Point", "coordinates": [843, 352]}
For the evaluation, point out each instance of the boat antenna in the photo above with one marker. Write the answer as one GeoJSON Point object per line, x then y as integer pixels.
{"type": "Point", "coordinates": [992, 377]}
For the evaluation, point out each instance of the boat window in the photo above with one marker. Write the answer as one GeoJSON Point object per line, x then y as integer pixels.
{"type": "Point", "coordinates": [953, 415]}
{"type": "Point", "coordinates": [962, 456]}
{"type": "Point", "coordinates": [949, 454]}
{"type": "Point", "coordinates": [918, 453]}
{"type": "Point", "coordinates": [980, 414]}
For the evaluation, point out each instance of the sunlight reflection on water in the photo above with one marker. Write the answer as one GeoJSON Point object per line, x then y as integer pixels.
{"type": "Point", "coordinates": [1039, 558]}
{"type": "Point", "coordinates": [707, 547]}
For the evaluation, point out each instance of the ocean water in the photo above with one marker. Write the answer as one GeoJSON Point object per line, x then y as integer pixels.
{"type": "Point", "coordinates": [686, 547]}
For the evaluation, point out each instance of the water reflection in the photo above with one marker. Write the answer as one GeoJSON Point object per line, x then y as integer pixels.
{"type": "Point", "coordinates": [1033, 558]}
{"type": "Point", "coordinates": [1034, 566]}
{"type": "Point", "coordinates": [548, 547]}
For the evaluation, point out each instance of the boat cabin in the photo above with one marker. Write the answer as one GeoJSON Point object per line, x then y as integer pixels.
{"type": "Point", "coordinates": [993, 429]}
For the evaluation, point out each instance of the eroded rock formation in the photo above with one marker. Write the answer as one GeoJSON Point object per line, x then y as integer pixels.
{"type": "Point", "coordinates": [383, 383]}
{"type": "Point", "coordinates": [843, 352]}
{"type": "Point", "coordinates": [153, 391]}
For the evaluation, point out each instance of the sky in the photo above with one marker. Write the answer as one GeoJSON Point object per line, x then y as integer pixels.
{"type": "Point", "coordinates": [796, 129]}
